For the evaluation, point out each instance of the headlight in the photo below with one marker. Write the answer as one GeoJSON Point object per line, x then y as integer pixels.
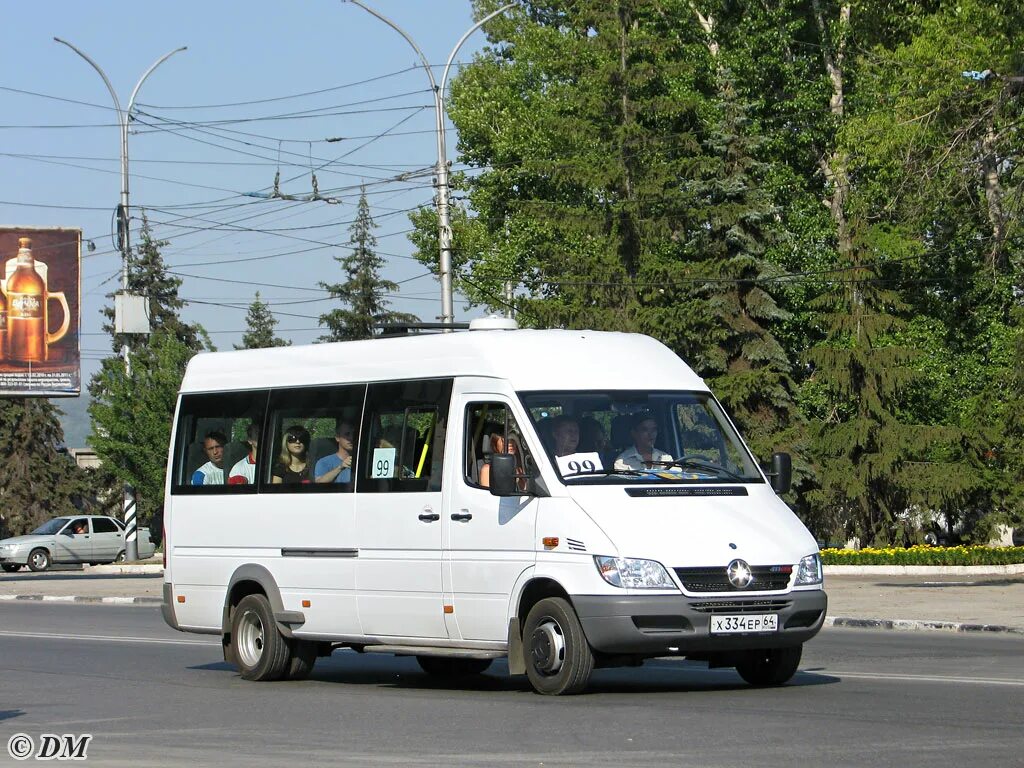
{"type": "Point", "coordinates": [808, 571]}
{"type": "Point", "coordinates": [633, 574]}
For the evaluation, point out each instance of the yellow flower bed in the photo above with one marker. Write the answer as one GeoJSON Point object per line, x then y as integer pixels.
{"type": "Point", "coordinates": [924, 555]}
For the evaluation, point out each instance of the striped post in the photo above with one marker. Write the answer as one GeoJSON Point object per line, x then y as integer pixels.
{"type": "Point", "coordinates": [131, 536]}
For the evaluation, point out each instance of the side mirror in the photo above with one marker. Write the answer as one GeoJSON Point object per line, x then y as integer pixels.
{"type": "Point", "coordinates": [503, 475]}
{"type": "Point", "coordinates": [782, 473]}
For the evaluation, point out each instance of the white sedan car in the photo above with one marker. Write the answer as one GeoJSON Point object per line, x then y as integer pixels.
{"type": "Point", "coordinates": [89, 539]}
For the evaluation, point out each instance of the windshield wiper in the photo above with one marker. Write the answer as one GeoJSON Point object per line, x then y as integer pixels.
{"type": "Point", "coordinates": [604, 472]}
{"type": "Point", "coordinates": [695, 463]}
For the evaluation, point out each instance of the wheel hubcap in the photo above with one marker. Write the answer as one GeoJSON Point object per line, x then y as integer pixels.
{"type": "Point", "coordinates": [547, 647]}
{"type": "Point", "coordinates": [250, 639]}
{"type": "Point", "coordinates": [38, 560]}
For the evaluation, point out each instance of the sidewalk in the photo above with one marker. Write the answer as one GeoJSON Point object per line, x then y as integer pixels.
{"type": "Point", "coordinates": [984, 602]}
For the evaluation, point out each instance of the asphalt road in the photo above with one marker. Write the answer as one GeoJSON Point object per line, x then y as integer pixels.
{"type": "Point", "coordinates": [153, 697]}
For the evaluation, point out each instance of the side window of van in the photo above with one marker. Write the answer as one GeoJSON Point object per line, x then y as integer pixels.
{"type": "Point", "coordinates": [402, 436]}
{"type": "Point", "coordinates": [491, 428]}
{"type": "Point", "coordinates": [213, 435]}
{"type": "Point", "coordinates": [313, 437]}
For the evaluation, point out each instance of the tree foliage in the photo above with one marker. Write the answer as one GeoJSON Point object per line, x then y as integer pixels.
{"type": "Point", "coordinates": [816, 203]}
{"type": "Point", "coordinates": [364, 292]}
{"type": "Point", "coordinates": [259, 327]}
{"type": "Point", "coordinates": [38, 480]}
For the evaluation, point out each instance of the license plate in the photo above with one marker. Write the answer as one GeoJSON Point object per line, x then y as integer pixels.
{"type": "Point", "coordinates": [750, 622]}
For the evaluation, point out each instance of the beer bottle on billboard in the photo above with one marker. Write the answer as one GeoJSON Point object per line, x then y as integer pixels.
{"type": "Point", "coordinates": [26, 316]}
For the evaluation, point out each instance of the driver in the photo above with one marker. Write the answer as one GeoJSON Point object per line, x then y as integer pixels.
{"type": "Point", "coordinates": [643, 453]}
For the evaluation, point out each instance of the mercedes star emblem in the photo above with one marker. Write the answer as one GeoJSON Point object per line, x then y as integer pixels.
{"type": "Point", "coordinates": [739, 574]}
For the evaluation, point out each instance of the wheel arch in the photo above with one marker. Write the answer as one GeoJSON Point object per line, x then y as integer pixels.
{"type": "Point", "coordinates": [251, 579]}
{"type": "Point", "coordinates": [530, 591]}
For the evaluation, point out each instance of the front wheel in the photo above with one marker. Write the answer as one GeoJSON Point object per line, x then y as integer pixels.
{"type": "Point", "coordinates": [39, 560]}
{"type": "Point", "coordinates": [120, 557]}
{"type": "Point", "coordinates": [11, 567]}
{"type": "Point", "coordinates": [770, 666]}
{"type": "Point", "coordinates": [258, 647]}
{"type": "Point", "coordinates": [558, 657]}
{"type": "Point", "coordinates": [441, 666]}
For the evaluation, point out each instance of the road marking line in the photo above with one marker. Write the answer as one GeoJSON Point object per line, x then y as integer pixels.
{"type": "Point", "coordinates": [106, 638]}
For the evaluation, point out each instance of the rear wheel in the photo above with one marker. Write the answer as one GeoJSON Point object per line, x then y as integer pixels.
{"type": "Point", "coordinates": [259, 649]}
{"type": "Point", "coordinates": [557, 654]}
{"type": "Point", "coordinates": [120, 557]}
{"type": "Point", "coordinates": [39, 560]}
{"type": "Point", "coordinates": [770, 666]}
{"type": "Point", "coordinates": [442, 666]}
{"type": "Point", "coordinates": [11, 567]}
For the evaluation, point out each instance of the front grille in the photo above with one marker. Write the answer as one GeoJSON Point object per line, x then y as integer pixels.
{"type": "Point", "coordinates": [740, 606]}
{"type": "Point", "coordinates": [767, 578]}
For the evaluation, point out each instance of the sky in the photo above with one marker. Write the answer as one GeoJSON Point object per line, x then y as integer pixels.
{"type": "Point", "coordinates": [300, 88]}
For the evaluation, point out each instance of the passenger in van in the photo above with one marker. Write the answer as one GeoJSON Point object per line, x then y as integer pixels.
{"type": "Point", "coordinates": [337, 467]}
{"type": "Point", "coordinates": [80, 527]}
{"type": "Point", "coordinates": [643, 453]}
{"type": "Point", "coordinates": [592, 436]}
{"type": "Point", "coordinates": [566, 432]}
{"type": "Point", "coordinates": [291, 462]}
{"type": "Point", "coordinates": [212, 472]}
{"type": "Point", "coordinates": [244, 471]}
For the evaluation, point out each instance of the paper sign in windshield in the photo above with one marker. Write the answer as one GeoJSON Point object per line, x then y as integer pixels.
{"type": "Point", "coordinates": [577, 463]}
{"type": "Point", "coordinates": [383, 465]}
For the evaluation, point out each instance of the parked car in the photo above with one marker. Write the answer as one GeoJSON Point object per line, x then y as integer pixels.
{"type": "Point", "coordinates": [89, 539]}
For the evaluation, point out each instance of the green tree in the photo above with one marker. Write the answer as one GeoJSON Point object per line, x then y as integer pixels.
{"type": "Point", "coordinates": [37, 479]}
{"type": "Point", "coordinates": [132, 418]}
{"type": "Point", "coordinates": [148, 276]}
{"type": "Point", "coordinates": [364, 292]}
{"type": "Point", "coordinates": [131, 414]}
{"type": "Point", "coordinates": [260, 323]}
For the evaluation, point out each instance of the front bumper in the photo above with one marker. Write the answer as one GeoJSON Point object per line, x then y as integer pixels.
{"type": "Point", "coordinates": [18, 558]}
{"type": "Point", "coordinates": [679, 624]}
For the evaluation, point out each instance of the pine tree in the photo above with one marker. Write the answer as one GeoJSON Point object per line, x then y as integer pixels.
{"type": "Point", "coordinates": [148, 276]}
{"type": "Point", "coordinates": [131, 415]}
{"type": "Point", "coordinates": [363, 292]}
{"type": "Point", "coordinates": [37, 480]}
{"type": "Point", "coordinates": [260, 323]}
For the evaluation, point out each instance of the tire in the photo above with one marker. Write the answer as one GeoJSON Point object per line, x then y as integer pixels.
{"type": "Point", "coordinates": [261, 652]}
{"type": "Point", "coordinates": [120, 557]}
{"type": "Point", "coordinates": [557, 655]}
{"type": "Point", "coordinates": [441, 666]}
{"type": "Point", "coordinates": [303, 658]}
{"type": "Point", "coordinates": [770, 666]}
{"type": "Point", "coordinates": [38, 560]}
{"type": "Point", "coordinates": [11, 567]}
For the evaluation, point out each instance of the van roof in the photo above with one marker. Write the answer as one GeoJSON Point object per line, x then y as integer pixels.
{"type": "Point", "coordinates": [527, 359]}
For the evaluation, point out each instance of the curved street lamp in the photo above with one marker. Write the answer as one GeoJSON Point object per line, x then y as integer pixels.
{"type": "Point", "coordinates": [123, 116]}
{"type": "Point", "coordinates": [443, 208]}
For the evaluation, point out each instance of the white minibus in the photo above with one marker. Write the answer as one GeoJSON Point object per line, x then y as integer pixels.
{"type": "Point", "coordinates": [567, 500]}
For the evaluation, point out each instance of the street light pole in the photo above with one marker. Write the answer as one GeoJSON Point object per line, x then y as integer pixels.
{"type": "Point", "coordinates": [444, 225]}
{"type": "Point", "coordinates": [123, 116]}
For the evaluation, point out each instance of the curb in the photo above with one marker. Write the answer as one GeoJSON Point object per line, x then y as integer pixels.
{"type": "Point", "coordinates": [924, 570]}
{"type": "Point", "coordinates": [136, 568]}
{"type": "Point", "coordinates": [80, 599]}
{"type": "Point", "coordinates": [912, 625]}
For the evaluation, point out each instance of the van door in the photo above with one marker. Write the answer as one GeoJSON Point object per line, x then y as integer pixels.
{"type": "Point", "coordinates": [491, 540]}
{"type": "Point", "coordinates": [399, 507]}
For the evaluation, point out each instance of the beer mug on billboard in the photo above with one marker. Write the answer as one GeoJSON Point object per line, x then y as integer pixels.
{"type": "Point", "coordinates": [28, 330]}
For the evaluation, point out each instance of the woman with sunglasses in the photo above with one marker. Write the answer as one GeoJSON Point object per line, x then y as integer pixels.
{"type": "Point", "coordinates": [291, 463]}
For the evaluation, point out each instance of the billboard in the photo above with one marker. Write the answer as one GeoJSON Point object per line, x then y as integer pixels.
{"type": "Point", "coordinates": [40, 290]}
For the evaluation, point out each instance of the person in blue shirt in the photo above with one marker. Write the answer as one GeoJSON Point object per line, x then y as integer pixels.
{"type": "Point", "coordinates": [337, 467]}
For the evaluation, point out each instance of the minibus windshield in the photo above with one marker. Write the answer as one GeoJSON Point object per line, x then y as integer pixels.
{"type": "Point", "coordinates": [600, 437]}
